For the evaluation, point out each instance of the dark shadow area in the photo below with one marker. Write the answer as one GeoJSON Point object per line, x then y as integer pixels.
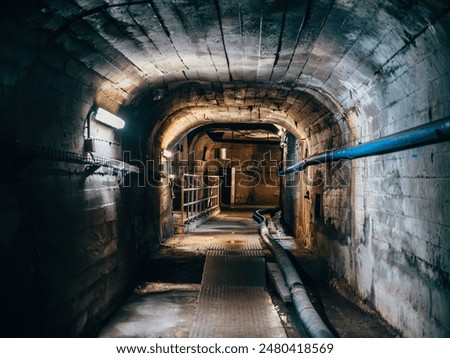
{"type": "Point", "coordinates": [175, 270]}
{"type": "Point", "coordinates": [343, 317]}
{"type": "Point", "coordinates": [314, 293]}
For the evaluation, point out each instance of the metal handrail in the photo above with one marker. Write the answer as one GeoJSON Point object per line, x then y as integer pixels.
{"type": "Point", "coordinates": [200, 194]}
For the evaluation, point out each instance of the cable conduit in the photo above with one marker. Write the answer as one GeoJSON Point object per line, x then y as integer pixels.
{"type": "Point", "coordinates": [309, 317]}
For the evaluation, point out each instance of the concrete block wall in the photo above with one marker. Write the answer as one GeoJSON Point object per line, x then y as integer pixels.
{"type": "Point", "coordinates": [71, 246]}
{"type": "Point", "coordinates": [396, 256]}
{"type": "Point", "coordinates": [161, 207]}
{"type": "Point", "coordinates": [189, 105]}
{"type": "Point", "coordinates": [90, 243]}
{"type": "Point", "coordinates": [317, 201]}
{"type": "Point", "coordinates": [292, 191]}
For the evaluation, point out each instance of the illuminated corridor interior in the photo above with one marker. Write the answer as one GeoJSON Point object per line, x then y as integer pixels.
{"type": "Point", "coordinates": [209, 100]}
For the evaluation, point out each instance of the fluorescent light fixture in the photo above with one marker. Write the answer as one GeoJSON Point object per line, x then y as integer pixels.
{"type": "Point", "coordinates": [109, 119]}
{"type": "Point", "coordinates": [167, 153]}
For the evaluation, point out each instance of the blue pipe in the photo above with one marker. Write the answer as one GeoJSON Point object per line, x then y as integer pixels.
{"type": "Point", "coordinates": [434, 132]}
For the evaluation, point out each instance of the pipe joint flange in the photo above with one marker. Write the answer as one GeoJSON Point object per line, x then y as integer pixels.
{"type": "Point", "coordinates": [296, 286]}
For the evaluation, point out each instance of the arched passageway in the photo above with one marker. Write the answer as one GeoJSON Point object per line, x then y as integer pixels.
{"type": "Point", "coordinates": [78, 224]}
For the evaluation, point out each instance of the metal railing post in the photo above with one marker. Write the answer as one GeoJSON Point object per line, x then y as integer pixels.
{"type": "Point", "coordinates": [182, 198]}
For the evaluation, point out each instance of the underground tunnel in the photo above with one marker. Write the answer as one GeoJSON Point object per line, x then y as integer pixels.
{"type": "Point", "coordinates": [217, 99]}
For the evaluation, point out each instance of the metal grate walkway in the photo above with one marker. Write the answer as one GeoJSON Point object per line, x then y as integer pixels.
{"type": "Point", "coordinates": [233, 300]}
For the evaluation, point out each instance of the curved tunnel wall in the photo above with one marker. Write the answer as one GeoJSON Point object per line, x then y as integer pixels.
{"type": "Point", "coordinates": [398, 256]}
{"type": "Point", "coordinates": [379, 66]}
{"type": "Point", "coordinates": [392, 246]}
{"type": "Point", "coordinates": [72, 245]}
{"type": "Point", "coordinates": [311, 118]}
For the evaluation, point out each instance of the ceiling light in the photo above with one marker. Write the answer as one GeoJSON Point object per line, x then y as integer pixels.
{"type": "Point", "coordinates": [109, 119]}
{"type": "Point", "coordinates": [167, 153]}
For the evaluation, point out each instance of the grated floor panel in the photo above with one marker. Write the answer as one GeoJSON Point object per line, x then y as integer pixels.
{"type": "Point", "coordinates": [233, 301]}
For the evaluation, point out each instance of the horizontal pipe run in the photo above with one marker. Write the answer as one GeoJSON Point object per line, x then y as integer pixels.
{"type": "Point", "coordinates": [308, 315]}
{"type": "Point", "coordinates": [434, 132]}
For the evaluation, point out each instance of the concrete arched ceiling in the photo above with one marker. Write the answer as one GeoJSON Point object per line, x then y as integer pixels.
{"type": "Point", "coordinates": [193, 105]}
{"type": "Point", "coordinates": [136, 48]}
